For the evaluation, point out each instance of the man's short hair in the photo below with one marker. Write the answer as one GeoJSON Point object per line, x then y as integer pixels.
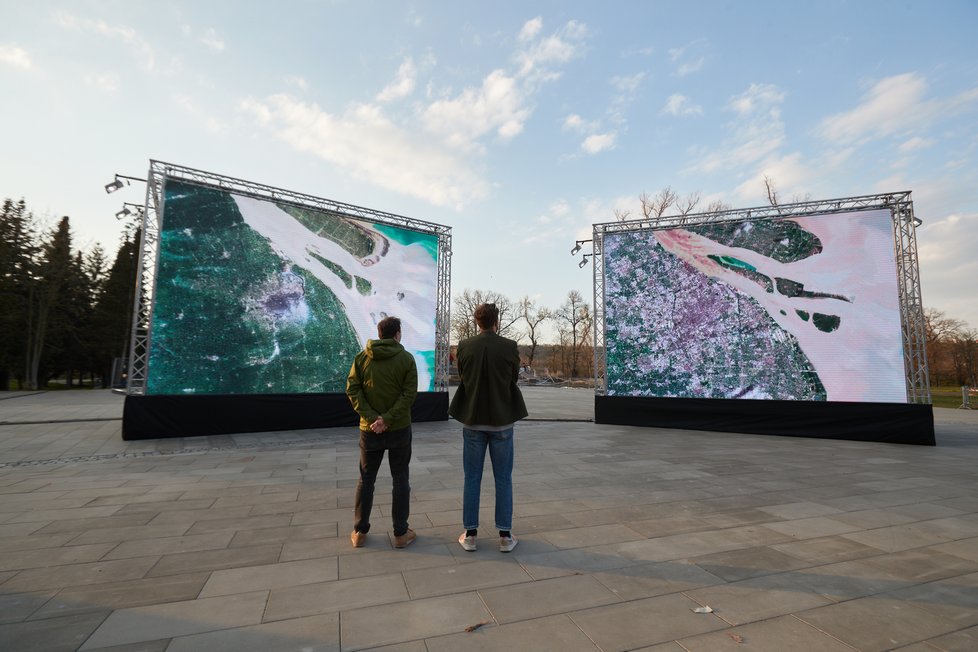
{"type": "Point", "coordinates": [388, 328]}
{"type": "Point", "coordinates": [486, 315]}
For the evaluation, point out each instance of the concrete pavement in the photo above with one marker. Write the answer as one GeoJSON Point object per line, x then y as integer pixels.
{"type": "Point", "coordinates": [240, 542]}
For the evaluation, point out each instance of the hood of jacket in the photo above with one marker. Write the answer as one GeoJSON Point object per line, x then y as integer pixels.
{"type": "Point", "coordinates": [383, 349]}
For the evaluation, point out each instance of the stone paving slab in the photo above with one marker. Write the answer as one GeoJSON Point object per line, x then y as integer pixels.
{"type": "Point", "coordinates": [240, 542]}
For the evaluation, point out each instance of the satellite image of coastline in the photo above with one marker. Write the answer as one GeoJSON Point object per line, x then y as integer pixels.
{"type": "Point", "coordinates": [253, 297]}
{"type": "Point", "coordinates": [793, 309]}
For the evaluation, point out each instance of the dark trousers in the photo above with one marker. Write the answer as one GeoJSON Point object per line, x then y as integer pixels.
{"type": "Point", "coordinates": [397, 443]}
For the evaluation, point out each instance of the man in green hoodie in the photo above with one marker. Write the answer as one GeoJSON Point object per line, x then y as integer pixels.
{"type": "Point", "coordinates": [382, 386]}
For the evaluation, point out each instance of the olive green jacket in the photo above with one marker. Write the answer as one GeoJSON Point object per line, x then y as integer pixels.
{"type": "Point", "coordinates": [487, 395]}
{"type": "Point", "coordinates": [383, 382]}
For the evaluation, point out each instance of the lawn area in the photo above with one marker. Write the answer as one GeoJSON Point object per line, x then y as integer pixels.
{"type": "Point", "coordinates": [950, 397]}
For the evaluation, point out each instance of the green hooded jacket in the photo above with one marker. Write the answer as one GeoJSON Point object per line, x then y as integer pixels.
{"type": "Point", "coordinates": [383, 382]}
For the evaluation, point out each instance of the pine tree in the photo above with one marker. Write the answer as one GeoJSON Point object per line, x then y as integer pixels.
{"type": "Point", "coordinates": [46, 291]}
{"type": "Point", "coordinates": [18, 262]}
{"type": "Point", "coordinates": [112, 318]}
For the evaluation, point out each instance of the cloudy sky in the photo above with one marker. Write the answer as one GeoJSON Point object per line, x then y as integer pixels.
{"type": "Point", "coordinates": [519, 124]}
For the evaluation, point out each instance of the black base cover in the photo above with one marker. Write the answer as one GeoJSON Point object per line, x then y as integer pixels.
{"type": "Point", "coordinates": [156, 417]}
{"type": "Point", "coordinates": [894, 423]}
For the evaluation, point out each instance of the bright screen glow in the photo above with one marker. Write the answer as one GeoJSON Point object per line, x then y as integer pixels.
{"type": "Point", "coordinates": [803, 308]}
{"type": "Point", "coordinates": [254, 297]}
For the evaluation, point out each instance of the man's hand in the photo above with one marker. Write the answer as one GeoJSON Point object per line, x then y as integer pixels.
{"type": "Point", "coordinates": [378, 426]}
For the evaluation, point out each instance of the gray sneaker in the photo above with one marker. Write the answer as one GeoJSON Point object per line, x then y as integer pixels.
{"type": "Point", "coordinates": [467, 543]}
{"type": "Point", "coordinates": [506, 544]}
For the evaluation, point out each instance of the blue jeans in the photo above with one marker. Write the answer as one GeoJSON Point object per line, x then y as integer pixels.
{"type": "Point", "coordinates": [500, 445]}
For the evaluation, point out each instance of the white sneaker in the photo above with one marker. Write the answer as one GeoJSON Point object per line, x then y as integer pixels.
{"type": "Point", "coordinates": [467, 543]}
{"type": "Point", "coordinates": [506, 544]}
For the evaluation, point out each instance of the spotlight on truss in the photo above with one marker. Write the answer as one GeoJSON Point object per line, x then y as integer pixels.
{"type": "Point", "coordinates": [120, 181]}
{"type": "Point", "coordinates": [115, 185]}
{"type": "Point", "coordinates": [577, 247]}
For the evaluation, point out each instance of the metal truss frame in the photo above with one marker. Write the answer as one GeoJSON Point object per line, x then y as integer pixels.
{"type": "Point", "coordinates": [904, 223]}
{"type": "Point", "coordinates": [160, 172]}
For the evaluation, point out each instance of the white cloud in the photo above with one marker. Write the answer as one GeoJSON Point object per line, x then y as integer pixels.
{"type": "Point", "coordinates": [297, 81]}
{"type": "Point", "coordinates": [497, 105]}
{"type": "Point", "coordinates": [891, 105]}
{"type": "Point", "coordinates": [531, 28]}
{"type": "Point", "coordinates": [17, 57]}
{"type": "Point", "coordinates": [596, 143]}
{"type": "Point", "coordinates": [679, 105]}
{"type": "Point", "coordinates": [403, 84]}
{"type": "Point", "coordinates": [136, 42]}
{"type": "Point", "coordinates": [628, 83]}
{"type": "Point", "coordinates": [894, 106]}
{"type": "Point", "coordinates": [757, 97]}
{"type": "Point", "coordinates": [212, 40]}
{"type": "Point", "coordinates": [574, 121]}
{"type": "Point", "coordinates": [688, 64]}
{"type": "Point", "coordinates": [107, 82]}
{"type": "Point", "coordinates": [916, 143]}
{"type": "Point", "coordinates": [564, 45]}
{"type": "Point", "coordinates": [757, 132]}
{"type": "Point", "coordinates": [500, 103]}
{"type": "Point", "coordinates": [946, 248]}
{"type": "Point", "coordinates": [789, 173]}
{"type": "Point", "coordinates": [188, 106]}
{"type": "Point", "coordinates": [690, 68]}
{"type": "Point", "coordinates": [398, 152]}
{"type": "Point", "coordinates": [560, 208]}
{"type": "Point", "coordinates": [367, 144]}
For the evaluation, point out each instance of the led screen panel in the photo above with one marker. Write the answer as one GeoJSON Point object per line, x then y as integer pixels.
{"type": "Point", "coordinates": [802, 308]}
{"type": "Point", "coordinates": [255, 297]}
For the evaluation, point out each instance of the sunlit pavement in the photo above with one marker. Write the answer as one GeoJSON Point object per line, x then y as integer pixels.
{"type": "Point", "coordinates": [627, 535]}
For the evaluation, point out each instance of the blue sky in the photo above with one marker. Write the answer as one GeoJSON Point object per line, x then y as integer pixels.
{"type": "Point", "coordinates": [519, 124]}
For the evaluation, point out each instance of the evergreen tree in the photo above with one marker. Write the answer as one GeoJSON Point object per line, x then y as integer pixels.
{"type": "Point", "coordinates": [46, 291]}
{"type": "Point", "coordinates": [112, 318]}
{"type": "Point", "coordinates": [18, 262]}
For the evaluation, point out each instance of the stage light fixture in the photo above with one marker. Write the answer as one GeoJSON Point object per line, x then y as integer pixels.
{"type": "Point", "coordinates": [577, 246]}
{"type": "Point", "coordinates": [582, 263]}
{"type": "Point", "coordinates": [115, 185]}
{"type": "Point", "coordinates": [123, 213]}
{"type": "Point", "coordinates": [120, 181]}
{"type": "Point", "coordinates": [917, 221]}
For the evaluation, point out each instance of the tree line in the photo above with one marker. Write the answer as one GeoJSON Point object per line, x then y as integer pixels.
{"type": "Point", "coordinates": [532, 325]}
{"type": "Point", "coordinates": [952, 350]}
{"type": "Point", "coordinates": [64, 313]}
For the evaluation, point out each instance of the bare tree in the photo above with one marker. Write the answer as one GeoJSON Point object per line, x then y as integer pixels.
{"type": "Point", "coordinates": [774, 199]}
{"type": "Point", "coordinates": [686, 205]}
{"type": "Point", "coordinates": [573, 326]}
{"type": "Point", "coordinates": [772, 191]}
{"type": "Point", "coordinates": [463, 311]}
{"type": "Point", "coordinates": [654, 208]}
{"type": "Point", "coordinates": [534, 318]}
{"type": "Point", "coordinates": [938, 326]}
{"type": "Point", "coordinates": [622, 214]}
{"type": "Point", "coordinates": [717, 206]}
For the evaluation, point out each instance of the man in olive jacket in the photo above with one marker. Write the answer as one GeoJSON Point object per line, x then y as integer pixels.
{"type": "Point", "coordinates": [382, 386]}
{"type": "Point", "coordinates": [488, 403]}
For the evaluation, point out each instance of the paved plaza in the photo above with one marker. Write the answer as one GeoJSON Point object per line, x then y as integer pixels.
{"type": "Point", "coordinates": [630, 539]}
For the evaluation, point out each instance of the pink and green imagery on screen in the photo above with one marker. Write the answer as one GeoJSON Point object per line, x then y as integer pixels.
{"type": "Point", "coordinates": [802, 308]}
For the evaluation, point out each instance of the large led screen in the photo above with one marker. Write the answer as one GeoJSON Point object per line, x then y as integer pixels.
{"type": "Point", "coordinates": [802, 308]}
{"type": "Point", "coordinates": [255, 297]}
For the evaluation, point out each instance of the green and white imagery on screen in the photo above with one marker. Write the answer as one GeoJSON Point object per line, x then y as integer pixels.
{"type": "Point", "coordinates": [254, 297]}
